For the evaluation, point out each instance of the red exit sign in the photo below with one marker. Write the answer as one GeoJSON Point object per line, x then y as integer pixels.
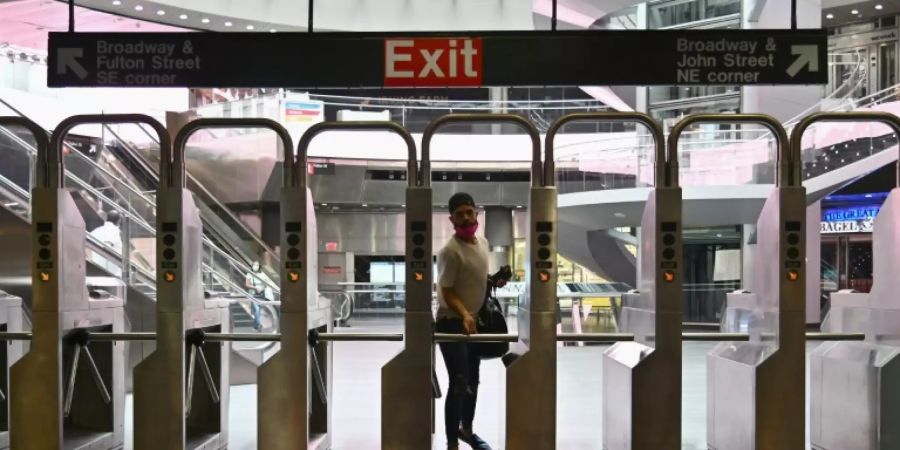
{"type": "Point", "coordinates": [420, 62]}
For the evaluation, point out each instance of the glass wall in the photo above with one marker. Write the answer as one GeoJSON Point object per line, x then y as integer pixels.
{"type": "Point", "coordinates": [673, 102]}
{"type": "Point", "coordinates": [671, 13]}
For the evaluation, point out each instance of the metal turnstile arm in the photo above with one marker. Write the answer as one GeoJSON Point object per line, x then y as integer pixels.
{"type": "Point", "coordinates": [317, 375]}
{"type": "Point", "coordinates": [80, 338]}
{"type": "Point", "coordinates": [196, 338]}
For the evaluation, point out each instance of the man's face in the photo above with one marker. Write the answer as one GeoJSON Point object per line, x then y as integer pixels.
{"type": "Point", "coordinates": [464, 215]}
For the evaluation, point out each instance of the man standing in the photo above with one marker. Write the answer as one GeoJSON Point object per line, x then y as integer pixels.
{"type": "Point", "coordinates": [462, 271]}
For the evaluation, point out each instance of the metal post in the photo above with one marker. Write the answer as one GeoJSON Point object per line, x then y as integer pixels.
{"type": "Point", "coordinates": [71, 16]}
{"type": "Point", "coordinates": [553, 16]}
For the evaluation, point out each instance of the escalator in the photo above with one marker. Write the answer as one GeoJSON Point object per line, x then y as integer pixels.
{"type": "Point", "coordinates": [129, 272]}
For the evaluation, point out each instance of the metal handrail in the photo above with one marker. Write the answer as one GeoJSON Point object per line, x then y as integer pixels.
{"type": "Point", "coordinates": [140, 221]}
{"type": "Point", "coordinates": [892, 121]}
{"type": "Point", "coordinates": [437, 337]}
{"type": "Point", "coordinates": [542, 175]}
{"type": "Point", "coordinates": [208, 198]}
{"type": "Point", "coordinates": [787, 165]}
{"type": "Point", "coordinates": [666, 161]}
{"type": "Point", "coordinates": [295, 167]}
{"type": "Point", "coordinates": [175, 161]}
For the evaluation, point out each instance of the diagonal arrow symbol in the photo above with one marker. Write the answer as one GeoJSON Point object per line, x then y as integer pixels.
{"type": "Point", "coordinates": [67, 58]}
{"type": "Point", "coordinates": [807, 55]}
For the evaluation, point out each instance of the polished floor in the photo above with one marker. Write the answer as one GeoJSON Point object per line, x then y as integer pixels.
{"type": "Point", "coordinates": [357, 368]}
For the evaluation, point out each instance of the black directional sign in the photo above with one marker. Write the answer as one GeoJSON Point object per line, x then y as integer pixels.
{"type": "Point", "coordinates": [465, 59]}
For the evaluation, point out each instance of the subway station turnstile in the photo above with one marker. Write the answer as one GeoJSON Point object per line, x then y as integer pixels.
{"type": "Point", "coordinates": [294, 400]}
{"type": "Point", "coordinates": [12, 319]}
{"type": "Point", "coordinates": [855, 386]}
{"type": "Point", "coordinates": [69, 391]}
{"type": "Point", "coordinates": [642, 379]}
{"type": "Point", "coordinates": [756, 389]}
{"type": "Point", "coordinates": [531, 376]}
{"type": "Point", "coordinates": [181, 390]}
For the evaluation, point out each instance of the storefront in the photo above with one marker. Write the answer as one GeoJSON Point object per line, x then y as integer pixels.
{"type": "Point", "coordinates": [847, 241]}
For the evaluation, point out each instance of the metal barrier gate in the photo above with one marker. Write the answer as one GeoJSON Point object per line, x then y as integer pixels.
{"type": "Point", "coordinates": [168, 410]}
{"type": "Point", "coordinates": [853, 385]}
{"type": "Point", "coordinates": [531, 378]}
{"type": "Point", "coordinates": [642, 379]}
{"type": "Point", "coordinates": [756, 390]}
{"type": "Point", "coordinates": [406, 379]}
{"type": "Point", "coordinates": [51, 408]}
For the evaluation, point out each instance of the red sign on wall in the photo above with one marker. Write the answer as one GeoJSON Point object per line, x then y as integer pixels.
{"type": "Point", "coordinates": [420, 62]}
{"type": "Point", "coordinates": [331, 270]}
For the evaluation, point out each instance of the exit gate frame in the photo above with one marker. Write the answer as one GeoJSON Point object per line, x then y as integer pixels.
{"type": "Point", "coordinates": [651, 387]}
{"type": "Point", "coordinates": [531, 377]}
{"type": "Point", "coordinates": [758, 403]}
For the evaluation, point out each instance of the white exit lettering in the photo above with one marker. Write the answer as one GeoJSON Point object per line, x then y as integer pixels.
{"type": "Point", "coordinates": [433, 62]}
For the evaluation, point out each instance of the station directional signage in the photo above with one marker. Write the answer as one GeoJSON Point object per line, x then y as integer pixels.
{"type": "Point", "coordinates": [416, 60]}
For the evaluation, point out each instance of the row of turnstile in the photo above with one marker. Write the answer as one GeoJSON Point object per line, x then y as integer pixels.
{"type": "Point", "coordinates": [67, 390]}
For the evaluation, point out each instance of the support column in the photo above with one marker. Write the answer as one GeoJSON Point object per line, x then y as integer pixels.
{"type": "Point", "coordinates": [748, 247]}
{"type": "Point", "coordinates": [498, 229]}
{"type": "Point", "coordinates": [814, 263]}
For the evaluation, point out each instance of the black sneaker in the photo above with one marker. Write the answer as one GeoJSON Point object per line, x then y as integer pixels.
{"type": "Point", "coordinates": [473, 440]}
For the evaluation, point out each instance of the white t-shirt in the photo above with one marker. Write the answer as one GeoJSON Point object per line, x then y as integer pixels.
{"type": "Point", "coordinates": [109, 234]}
{"type": "Point", "coordinates": [463, 267]}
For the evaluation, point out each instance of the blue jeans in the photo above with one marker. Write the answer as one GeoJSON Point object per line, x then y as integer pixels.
{"type": "Point", "coordinates": [257, 315]}
{"type": "Point", "coordinates": [463, 368]}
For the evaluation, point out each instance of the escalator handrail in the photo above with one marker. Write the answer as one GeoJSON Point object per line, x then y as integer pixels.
{"type": "Point", "coordinates": [135, 218]}
{"type": "Point", "coordinates": [52, 158]}
{"type": "Point", "coordinates": [207, 197]}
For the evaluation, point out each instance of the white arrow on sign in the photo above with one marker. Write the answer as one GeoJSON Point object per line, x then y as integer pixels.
{"type": "Point", "coordinates": [807, 55]}
{"type": "Point", "coordinates": [68, 58]}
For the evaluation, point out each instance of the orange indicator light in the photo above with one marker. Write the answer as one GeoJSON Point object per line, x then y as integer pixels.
{"type": "Point", "coordinates": [293, 276]}
{"type": "Point", "coordinates": [45, 276]}
{"type": "Point", "coordinates": [169, 276]}
{"type": "Point", "coordinates": [793, 275]}
{"type": "Point", "coordinates": [419, 276]}
{"type": "Point", "coordinates": [544, 276]}
{"type": "Point", "coordinates": [669, 276]}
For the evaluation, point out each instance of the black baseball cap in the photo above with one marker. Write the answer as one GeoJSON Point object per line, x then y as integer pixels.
{"type": "Point", "coordinates": [459, 199]}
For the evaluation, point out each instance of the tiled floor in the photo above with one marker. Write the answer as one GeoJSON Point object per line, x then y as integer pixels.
{"type": "Point", "coordinates": [356, 397]}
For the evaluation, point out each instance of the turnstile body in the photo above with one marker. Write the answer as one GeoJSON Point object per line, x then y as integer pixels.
{"type": "Point", "coordinates": [642, 379]}
{"type": "Point", "coordinates": [855, 386]}
{"type": "Point", "coordinates": [161, 397]}
{"type": "Point", "coordinates": [291, 418]}
{"type": "Point", "coordinates": [12, 319]}
{"type": "Point", "coordinates": [755, 396]}
{"type": "Point", "coordinates": [43, 376]}
{"type": "Point", "coordinates": [531, 378]}
{"type": "Point", "coordinates": [407, 403]}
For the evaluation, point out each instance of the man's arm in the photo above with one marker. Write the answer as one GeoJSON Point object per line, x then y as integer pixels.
{"type": "Point", "coordinates": [454, 302]}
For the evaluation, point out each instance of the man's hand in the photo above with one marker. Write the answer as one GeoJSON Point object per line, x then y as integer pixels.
{"type": "Point", "coordinates": [469, 325]}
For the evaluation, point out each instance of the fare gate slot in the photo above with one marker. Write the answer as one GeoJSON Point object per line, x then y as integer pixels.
{"type": "Point", "coordinates": [756, 389]}
{"type": "Point", "coordinates": [642, 379]}
{"type": "Point", "coordinates": [854, 388]}
{"type": "Point", "coordinates": [69, 391]}
{"type": "Point", "coordinates": [181, 390]}
{"type": "Point", "coordinates": [531, 365]}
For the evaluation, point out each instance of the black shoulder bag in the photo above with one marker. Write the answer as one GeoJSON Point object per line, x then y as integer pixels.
{"type": "Point", "coordinates": [490, 318]}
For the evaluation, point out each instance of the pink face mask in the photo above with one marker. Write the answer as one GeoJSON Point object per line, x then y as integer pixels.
{"type": "Point", "coordinates": [467, 231]}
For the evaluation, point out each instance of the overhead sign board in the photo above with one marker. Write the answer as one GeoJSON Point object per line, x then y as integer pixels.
{"type": "Point", "coordinates": [467, 59]}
